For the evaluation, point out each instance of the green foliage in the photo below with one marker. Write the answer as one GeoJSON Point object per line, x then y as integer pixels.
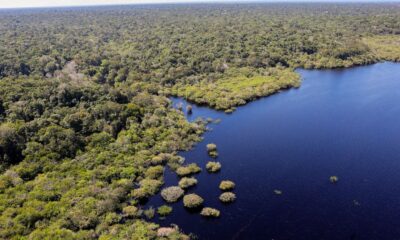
{"type": "Point", "coordinates": [188, 170]}
{"type": "Point", "coordinates": [154, 172]}
{"type": "Point", "coordinates": [226, 185]}
{"type": "Point", "coordinates": [11, 144]}
{"type": "Point", "coordinates": [386, 47]}
{"type": "Point", "coordinates": [164, 210]}
{"type": "Point", "coordinates": [85, 124]}
{"type": "Point", "coordinates": [212, 150]}
{"type": "Point", "coordinates": [149, 213]}
{"type": "Point", "coordinates": [210, 212]}
{"type": "Point", "coordinates": [147, 188]}
{"type": "Point", "coordinates": [211, 147]}
{"type": "Point", "coordinates": [130, 211]}
{"type": "Point", "coordinates": [213, 167]}
{"type": "Point", "coordinates": [172, 194]}
{"type": "Point", "coordinates": [227, 197]}
{"type": "Point", "coordinates": [237, 86]}
{"type": "Point", "coordinates": [187, 182]}
{"type": "Point", "coordinates": [192, 200]}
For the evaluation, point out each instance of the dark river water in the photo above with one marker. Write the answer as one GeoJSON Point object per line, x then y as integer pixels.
{"type": "Point", "coordinates": [339, 122]}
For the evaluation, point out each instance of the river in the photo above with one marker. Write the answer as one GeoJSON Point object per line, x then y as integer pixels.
{"type": "Point", "coordinates": [339, 122]}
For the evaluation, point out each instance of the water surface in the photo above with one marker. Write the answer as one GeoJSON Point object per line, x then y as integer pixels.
{"type": "Point", "coordinates": [339, 122]}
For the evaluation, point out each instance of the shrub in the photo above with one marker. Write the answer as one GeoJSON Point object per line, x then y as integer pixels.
{"type": "Point", "coordinates": [192, 200]}
{"type": "Point", "coordinates": [154, 172]}
{"type": "Point", "coordinates": [209, 212]}
{"type": "Point", "coordinates": [166, 232]}
{"type": "Point", "coordinates": [334, 179]}
{"type": "Point", "coordinates": [188, 170]}
{"type": "Point", "coordinates": [187, 182]}
{"type": "Point", "coordinates": [112, 218]}
{"type": "Point", "coordinates": [147, 188]}
{"type": "Point", "coordinates": [157, 160]}
{"type": "Point", "coordinates": [161, 158]}
{"type": "Point", "coordinates": [213, 166]}
{"type": "Point", "coordinates": [172, 194]}
{"type": "Point", "coordinates": [213, 154]}
{"type": "Point", "coordinates": [211, 147]}
{"type": "Point", "coordinates": [164, 210]}
{"type": "Point", "coordinates": [227, 197]}
{"type": "Point", "coordinates": [149, 213]}
{"type": "Point", "coordinates": [212, 150]}
{"type": "Point", "coordinates": [226, 185]}
{"type": "Point", "coordinates": [130, 211]}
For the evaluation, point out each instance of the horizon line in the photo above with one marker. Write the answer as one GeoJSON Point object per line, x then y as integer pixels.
{"type": "Point", "coordinates": [173, 2]}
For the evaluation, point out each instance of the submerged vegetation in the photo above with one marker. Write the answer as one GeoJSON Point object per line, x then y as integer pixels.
{"type": "Point", "coordinates": [278, 192]}
{"type": "Point", "coordinates": [86, 126]}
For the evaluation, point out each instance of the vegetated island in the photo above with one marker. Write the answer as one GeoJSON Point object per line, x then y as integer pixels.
{"type": "Point", "coordinates": [86, 127]}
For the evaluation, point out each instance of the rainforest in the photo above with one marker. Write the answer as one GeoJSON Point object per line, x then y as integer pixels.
{"type": "Point", "coordinates": [90, 128]}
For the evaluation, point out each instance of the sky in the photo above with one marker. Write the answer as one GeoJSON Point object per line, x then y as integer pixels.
{"type": "Point", "coordinates": [57, 3]}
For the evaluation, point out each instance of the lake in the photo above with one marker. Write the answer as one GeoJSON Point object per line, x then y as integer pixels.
{"type": "Point", "coordinates": [339, 122]}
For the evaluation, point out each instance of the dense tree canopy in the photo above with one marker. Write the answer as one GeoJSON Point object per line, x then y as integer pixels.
{"type": "Point", "coordinates": [86, 127]}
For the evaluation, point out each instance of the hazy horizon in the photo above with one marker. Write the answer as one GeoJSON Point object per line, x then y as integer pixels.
{"type": "Point", "coordinates": [67, 3]}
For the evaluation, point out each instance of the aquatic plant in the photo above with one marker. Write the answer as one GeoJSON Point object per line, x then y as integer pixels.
{"type": "Point", "coordinates": [172, 194]}
{"type": "Point", "coordinates": [213, 154]}
{"type": "Point", "coordinates": [187, 182]}
{"type": "Point", "coordinates": [213, 166]}
{"type": "Point", "coordinates": [230, 110]}
{"type": "Point", "coordinates": [149, 213]}
{"type": "Point", "coordinates": [164, 210]}
{"type": "Point", "coordinates": [211, 147]}
{"type": "Point", "coordinates": [226, 185]}
{"type": "Point", "coordinates": [227, 197]}
{"type": "Point", "coordinates": [333, 179]}
{"type": "Point", "coordinates": [192, 200]}
{"type": "Point", "coordinates": [278, 192]}
{"type": "Point", "coordinates": [212, 150]}
{"type": "Point", "coordinates": [188, 170]}
{"type": "Point", "coordinates": [209, 212]}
